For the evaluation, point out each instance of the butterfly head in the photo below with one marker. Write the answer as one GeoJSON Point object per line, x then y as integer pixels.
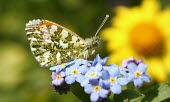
{"type": "Point", "coordinates": [96, 41]}
{"type": "Point", "coordinates": [92, 42]}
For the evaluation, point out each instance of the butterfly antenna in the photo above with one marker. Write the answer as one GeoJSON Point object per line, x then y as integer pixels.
{"type": "Point", "coordinates": [105, 19]}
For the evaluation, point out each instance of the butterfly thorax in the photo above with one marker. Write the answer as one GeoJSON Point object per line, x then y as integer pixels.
{"type": "Point", "coordinates": [91, 44]}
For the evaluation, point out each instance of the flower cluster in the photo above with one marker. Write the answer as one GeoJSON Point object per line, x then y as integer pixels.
{"type": "Point", "coordinates": [98, 79]}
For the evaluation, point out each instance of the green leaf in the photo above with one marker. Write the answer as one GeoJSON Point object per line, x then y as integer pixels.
{"type": "Point", "coordinates": [127, 94]}
{"type": "Point", "coordinates": [111, 98]}
{"type": "Point", "coordinates": [157, 93]}
{"type": "Point", "coordinates": [78, 91]}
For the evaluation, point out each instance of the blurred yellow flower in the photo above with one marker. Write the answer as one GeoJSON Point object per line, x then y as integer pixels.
{"type": "Point", "coordinates": [142, 32]}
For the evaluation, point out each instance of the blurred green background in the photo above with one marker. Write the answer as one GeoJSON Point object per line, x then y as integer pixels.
{"type": "Point", "coordinates": [21, 78]}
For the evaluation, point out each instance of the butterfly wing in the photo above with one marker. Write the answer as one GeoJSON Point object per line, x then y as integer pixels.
{"type": "Point", "coordinates": [52, 44]}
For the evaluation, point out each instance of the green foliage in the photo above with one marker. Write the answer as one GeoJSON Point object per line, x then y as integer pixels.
{"type": "Point", "coordinates": [127, 94]}
{"type": "Point", "coordinates": [157, 93]}
{"type": "Point", "coordinates": [78, 91]}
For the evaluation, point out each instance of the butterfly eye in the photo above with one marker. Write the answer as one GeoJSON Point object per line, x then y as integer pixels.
{"type": "Point", "coordinates": [97, 39]}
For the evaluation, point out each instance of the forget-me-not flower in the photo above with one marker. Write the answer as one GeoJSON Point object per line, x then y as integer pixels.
{"type": "Point", "coordinates": [57, 77]}
{"type": "Point", "coordinates": [137, 73]}
{"type": "Point", "coordinates": [98, 59]}
{"type": "Point", "coordinates": [75, 73]}
{"type": "Point", "coordinates": [94, 72]}
{"type": "Point", "coordinates": [112, 79]}
{"type": "Point", "coordinates": [96, 90]}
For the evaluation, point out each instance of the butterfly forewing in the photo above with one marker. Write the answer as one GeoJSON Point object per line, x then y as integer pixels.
{"type": "Point", "coordinates": [53, 44]}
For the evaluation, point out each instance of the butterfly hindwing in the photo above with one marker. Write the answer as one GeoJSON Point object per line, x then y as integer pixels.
{"type": "Point", "coordinates": [53, 44]}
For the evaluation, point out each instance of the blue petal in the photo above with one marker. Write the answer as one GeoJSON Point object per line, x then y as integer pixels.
{"type": "Point", "coordinates": [100, 83]}
{"type": "Point", "coordinates": [105, 75]}
{"type": "Point", "coordinates": [106, 84]}
{"type": "Point", "coordinates": [70, 79]}
{"type": "Point", "coordinates": [79, 62]}
{"type": "Point", "coordinates": [116, 89]}
{"type": "Point", "coordinates": [94, 97]}
{"type": "Point", "coordinates": [99, 74]}
{"type": "Point", "coordinates": [53, 68]}
{"type": "Point", "coordinates": [84, 82]}
{"type": "Point", "coordinates": [80, 78]}
{"type": "Point", "coordinates": [145, 78]}
{"type": "Point", "coordinates": [83, 69]}
{"type": "Point", "coordinates": [132, 67]}
{"type": "Point", "coordinates": [55, 82]}
{"type": "Point", "coordinates": [88, 73]}
{"type": "Point", "coordinates": [68, 71]}
{"type": "Point", "coordinates": [96, 60]}
{"type": "Point", "coordinates": [58, 82]}
{"type": "Point", "coordinates": [61, 81]}
{"type": "Point", "coordinates": [114, 71]}
{"type": "Point", "coordinates": [142, 67]}
{"type": "Point", "coordinates": [98, 67]}
{"type": "Point", "coordinates": [138, 82]}
{"type": "Point", "coordinates": [104, 60]}
{"type": "Point", "coordinates": [60, 67]}
{"type": "Point", "coordinates": [53, 76]}
{"type": "Point", "coordinates": [57, 70]}
{"type": "Point", "coordinates": [106, 67]}
{"type": "Point", "coordinates": [75, 66]}
{"type": "Point", "coordinates": [130, 77]}
{"type": "Point", "coordinates": [123, 71]}
{"type": "Point", "coordinates": [111, 67]}
{"type": "Point", "coordinates": [71, 63]}
{"type": "Point", "coordinates": [88, 88]}
{"type": "Point", "coordinates": [94, 82]}
{"type": "Point", "coordinates": [103, 93]}
{"type": "Point", "coordinates": [62, 74]}
{"type": "Point", "coordinates": [98, 57]}
{"type": "Point", "coordinates": [85, 62]}
{"type": "Point", "coordinates": [122, 81]}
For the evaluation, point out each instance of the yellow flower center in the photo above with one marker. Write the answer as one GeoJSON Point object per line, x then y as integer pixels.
{"type": "Point", "coordinates": [74, 72]}
{"type": "Point", "coordinates": [80, 59]}
{"type": "Point", "coordinates": [93, 74]}
{"type": "Point", "coordinates": [63, 64]}
{"type": "Point", "coordinates": [58, 77]}
{"type": "Point", "coordinates": [96, 88]}
{"type": "Point", "coordinates": [137, 74]}
{"type": "Point", "coordinates": [147, 39]}
{"type": "Point", "coordinates": [112, 80]}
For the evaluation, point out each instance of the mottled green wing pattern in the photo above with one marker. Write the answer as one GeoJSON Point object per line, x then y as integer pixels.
{"type": "Point", "coordinates": [53, 44]}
